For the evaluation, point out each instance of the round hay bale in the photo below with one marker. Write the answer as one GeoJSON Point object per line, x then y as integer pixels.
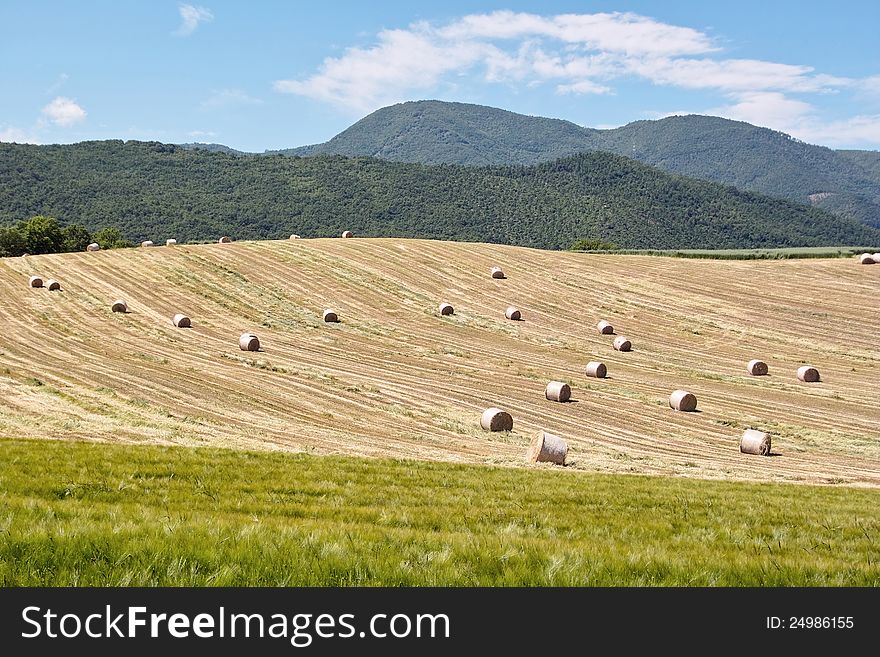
{"type": "Point", "coordinates": [682, 400]}
{"type": "Point", "coordinates": [147, 243]}
{"type": "Point", "coordinates": [547, 447]}
{"type": "Point", "coordinates": [497, 272]}
{"type": "Point", "coordinates": [596, 369]}
{"type": "Point", "coordinates": [757, 368]}
{"type": "Point", "coordinates": [808, 374]}
{"type": "Point", "coordinates": [755, 442]}
{"type": "Point", "coordinates": [867, 259]}
{"type": "Point", "coordinates": [605, 328]}
{"type": "Point", "coordinates": [52, 285]}
{"type": "Point", "coordinates": [446, 309]}
{"type": "Point", "coordinates": [224, 240]}
{"type": "Point", "coordinates": [876, 258]}
{"type": "Point", "coordinates": [94, 246]}
{"type": "Point", "coordinates": [347, 234]}
{"type": "Point", "coordinates": [330, 316]}
{"type": "Point", "coordinates": [119, 306]}
{"type": "Point", "coordinates": [35, 281]}
{"type": "Point", "coordinates": [558, 391]}
{"type": "Point", "coordinates": [622, 344]}
{"type": "Point", "coordinates": [171, 242]}
{"type": "Point", "coordinates": [249, 342]}
{"type": "Point", "coordinates": [182, 321]}
{"type": "Point", "coordinates": [494, 419]}
{"type": "Point", "coordinates": [294, 237]}
{"type": "Point", "coordinates": [513, 313]}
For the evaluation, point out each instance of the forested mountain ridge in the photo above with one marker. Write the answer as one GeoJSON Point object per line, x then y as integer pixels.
{"type": "Point", "coordinates": [706, 147]}
{"type": "Point", "coordinates": [153, 191]}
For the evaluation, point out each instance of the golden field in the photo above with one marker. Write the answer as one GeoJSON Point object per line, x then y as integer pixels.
{"type": "Point", "coordinates": [393, 378]}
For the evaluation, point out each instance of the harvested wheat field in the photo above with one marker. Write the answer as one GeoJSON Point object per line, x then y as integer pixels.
{"type": "Point", "coordinates": [397, 379]}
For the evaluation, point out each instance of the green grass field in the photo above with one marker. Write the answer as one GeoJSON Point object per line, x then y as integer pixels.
{"type": "Point", "coordinates": [119, 515]}
{"type": "Point", "coordinates": [750, 254]}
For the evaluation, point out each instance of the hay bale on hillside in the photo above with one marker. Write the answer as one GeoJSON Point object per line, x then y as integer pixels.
{"type": "Point", "coordinates": [294, 237]}
{"type": "Point", "coordinates": [446, 309]}
{"type": "Point", "coordinates": [249, 342]}
{"type": "Point", "coordinates": [224, 240]}
{"type": "Point", "coordinates": [494, 419]}
{"type": "Point", "coordinates": [558, 391]}
{"type": "Point", "coordinates": [330, 316]}
{"type": "Point", "coordinates": [347, 233]}
{"type": "Point", "coordinates": [808, 374]}
{"type": "Point", "coordinates": [182, 321]}
{"type": "Point", "coordinates": [755, 442]}
{"type": "Point", "coordinates": [119, 306]}
{"type": "Point", "coordinates": [147, 243]}
{"type": "Point", "coordinates": [757, 368]}
{"type": "Point", "coordinates": [596, 369]}
{"type": "Point", "coordinates": [867, 259]}
{"type": "Point", "coordinates": [53, 285]}
{"type": "Point", "coordinates": [605, 328]}
{"type": "Point", "coordinates": [513, 313]}
{"type": "Point", "coordinates": [622, 343]}
{"type": "Point", "coordinates": [171, 242]}
{"type": "Point", "coordinates": [94, 246]}
{"type": "Point", "coordinates": [497, 272]}
{"type": "Point", "coordinates": [35, 281]}
{"type": "Point", "coordinates": [548, 448]}
{"type": "Point", "coordinates": [682, 400]}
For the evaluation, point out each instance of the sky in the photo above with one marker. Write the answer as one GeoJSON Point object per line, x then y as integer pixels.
{"type": "Point", "coordinates": [265, 75]}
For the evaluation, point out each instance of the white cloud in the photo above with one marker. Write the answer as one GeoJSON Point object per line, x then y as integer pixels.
{"type": "Point", "coordinates": [190, 18]}
{"type": "Point", "coordinates": [404, 60]}
{"type": "Point", "coordinates": [615, 32]}
{"type": "Point", "coordinates": [582, 87]}
{"type": "Point", "coordinates": [766, 108]}
{"type": "Point", "coordinates": [11, 134]}
{"type": "Point", "coordinates": [578, 53]}
{"type": "Point", "coordinates": [198, 134]}
{"type": "Point", "coordinates": [228, 97]}
{"type": "Point", "coordinates": [799, 119]}
{"type": "Point", "coordinates": [64, 112]}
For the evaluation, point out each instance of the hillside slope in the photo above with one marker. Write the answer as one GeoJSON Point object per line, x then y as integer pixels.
{"type": "Point", "coordinates": [706, 147]}
{"type": "Point", "coordinates": [395, 379]}
{"type": "Point", "coordinates": [153, 191]}
{"type": "Point", "coordinates": [435, 132]}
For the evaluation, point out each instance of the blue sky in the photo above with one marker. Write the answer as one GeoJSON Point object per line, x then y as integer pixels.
{"type": "Point", "coordinates": [265, 75]}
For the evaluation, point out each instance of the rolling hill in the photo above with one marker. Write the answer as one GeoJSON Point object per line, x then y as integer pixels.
{"type": "Point", "coordinates": [153, 191]}
{"type": "Point", "coordinates": [435, 132]}
{"type": "Point", "coordinates": [395, 379]}
{"type": "Point", "coordinates": [706, 147]}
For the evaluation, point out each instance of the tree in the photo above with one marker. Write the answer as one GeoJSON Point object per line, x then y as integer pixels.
{"type": "Point", "coordinates": [592, 245]}
{"type": "Point", "coordinates": [12, 242]}
{"type": "Point", "coordinates": [110, 238]}
{"type": "Point", "coordinates": [75, 238]}
{"type": "Point", "coordinates": [42, 234]}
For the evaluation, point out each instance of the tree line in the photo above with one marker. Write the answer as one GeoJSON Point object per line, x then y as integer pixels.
{"type": "Point", "coordinates": [42, 234]}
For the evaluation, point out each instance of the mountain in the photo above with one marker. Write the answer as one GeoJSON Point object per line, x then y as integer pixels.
{"type": "Point", "coordinates": [753, 158]}
{"type": "Point", "coordinates": [434, 132]}
{"type": "Point", "coordinates": [152, 191]}
{"type": "Point", "coordinates": [211, 148]}
{"type": "Point", "coordinates": [711, 148]}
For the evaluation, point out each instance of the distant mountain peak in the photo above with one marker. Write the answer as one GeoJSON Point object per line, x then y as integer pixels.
{"type": "Point", "coordinates": [707, 147]}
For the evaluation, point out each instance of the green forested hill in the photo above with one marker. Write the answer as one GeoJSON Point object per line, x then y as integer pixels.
{"type": "Point", "coordinates": [154, 191]}
{"type": "Point", "coordinates": [706, 147]}
{"type": "Point", "coordinates": [435, 132]}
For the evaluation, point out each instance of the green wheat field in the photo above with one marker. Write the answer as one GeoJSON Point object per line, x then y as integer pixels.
{"type": "Point", "coordinates": [119, 515]}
